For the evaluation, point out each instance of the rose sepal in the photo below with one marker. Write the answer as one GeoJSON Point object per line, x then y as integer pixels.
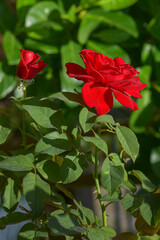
{"type": "Point", "coordinates": [24, 83]}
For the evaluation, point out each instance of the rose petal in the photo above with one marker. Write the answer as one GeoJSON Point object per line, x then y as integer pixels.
{"type": "Point", "coordinates": [89, 61]}
{"type": "Point", "coordinates": [119, 61]}
{"type": "Point", "coordinates": [113, 76]}
{"type": "Point", "coordinates": [27, 56]}
{"type": "Point", "coordinates": [28, 66]}
{"type": "Point", "coordinates": [97, 96]}
{"type": "Point", "coordinates": [22, 70]}
{"type": "Point", "coordinates": [32, 73]}
{"type": "Point", "coordinates": [126, 85]}
{"type": "Point", "coordinates": [35, 59]}
{"type": "Point", "coordinates": [134, 93]}
{"type": "Point", "coordinates": [78, 72]}
{"type": "Point", "coordinates": [41, 65]}
{"type": "Point", "coordinates": [125, 100]}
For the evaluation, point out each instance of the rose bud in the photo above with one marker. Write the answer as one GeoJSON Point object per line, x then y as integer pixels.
{"type": "Point", "coordinates": [29, 66]}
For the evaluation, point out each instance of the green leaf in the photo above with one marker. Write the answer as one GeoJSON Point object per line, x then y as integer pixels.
{"type": "Point", "coordinates": [111, 50]}
{"type": "Point", "coordinates": [72, 167]}
{"type": "Point", "coordinates": [53, 144]}
{"type": "Point", "coordinates": [150, 209]}
{"type": "Point", "coordinates": [98, 142]}
{"type": "Point", "coordinates": [154, 25]}
{"type": "Point", "coordinates": [29, 231]}
{"type": "Point", "coordinates": [146, 183]}
{"type": "Point", "coordinates": [109, 4]}
{"type": "Point", "coordinates": [5, 129]}
{"type": "Point", "coordinates": [71, 14]}
{"type": "Point", "coordinates": [154, 237]}
{"type": "Point", "coordinates": [35, 191]}
{"type": "Point", "coordinates": [7, 81]}
{"type": "Point", "coordinates": [104, 233]}
{"type": "Point", "coordinates": [86, 214]}
{"type": "Point", "coordinates": [105, 119]}
{"type": "Point", "coordinates": [40, 12]}
{"type": "Point", "coordinates": [18, 163]}
{"type": "Point", "coordinates": [87, 26]}
{"type": "Point", "coordinates": [111, 36]}
{"type": "Point", "coordinates": [41, 46]}
{"type": "Point", "coordinates": [146, 211]}
{"type": "Point", "coordinates": [24, 3]}
{"type": "Point", "coordinates": [128, 141]}
{"type": "Point", "coordinates": [140, 119]}
{"type": "Point", "coordinates": [145, 73]}
{"type": "Point", "coordinates": [118, 162]}
{"type": "Point", "coordinates": [44, 112]}
{"type": "Point", "coordinates": [116, 196]}
{"type": "Point", "coordinates": [68, 171]}
{"type": "Point", "coordinates": [42, 21]}
{"type": "Point", "coordinates": [131, 202]}
{"type": "Point", "coordinates": [11, 47]}
{"type": "Point", "coordinates": [73, 48]}
{"type": "Point", "coordinates": [10, 196]}
{"type": "Point", "coordinates": [146, 53]}
{"type": "Point", "coordinates": [86, 119]}
{"type": "Point", "coordinates": [127, 201]}
{"type": "Point", "coordinates": [119, 20]}
{"type": "Point", "coordinates": [129, 185]}
{"type": "Point", "coordinates": [14, 218]}
{"type": "Point", "coordinates": [49, 170]}
{"type": "Point", "coordinates": [155, 198]}
{"type": "Point", "coordinates": [117, 4]}
{"type": "Point", "coordinates": [111, 176]}
{"type": "Point", "coordinates": [68, 97]}
{"type": "Point", "coordinates": [126, 236]}
{"type": "Point", "coordinates": [64, 224]}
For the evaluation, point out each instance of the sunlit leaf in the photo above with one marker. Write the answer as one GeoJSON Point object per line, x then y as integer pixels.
{"type": "Point", "coordinates": [146, 183]}
{"type": "Point", "coordinates": [5, 129]}
{"type": "Point", "coordinates": [10, 196]}
{"type": "Point", "coordinates": [35, 190]}
{"type": "Point", "coordinates": [86, 119]}
{"type": "Point", "coordinates": [11, 47]}
{"type": "Point", "coordinates": [44, 112]}
{"type": "Point", "coordinates": [65, 224]}
{"type": "Point", "coordinates": [128, 141]}
{"type": "Point", "coordinates": [14, 218]}
{"type": "Point", "coordinates": [53, 144]}
{"type": "Point", "coordinates": [115, 19]}
{"type": "Point", "coordinates": [111, 176]}
{"type": "Point", "coordinates": [18, 163]}
{"type": "Point", "coordinates": [40, 12]}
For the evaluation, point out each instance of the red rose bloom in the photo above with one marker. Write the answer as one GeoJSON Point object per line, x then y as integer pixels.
{"type": "Point", "coordinates": [28, 66]}
{"type": "Point", "coordinates": [104, 76]}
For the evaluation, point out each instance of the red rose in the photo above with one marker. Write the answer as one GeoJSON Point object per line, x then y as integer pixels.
{"type": "Point", "coordinates": [28, 66]}
{"type": "Point", "coordinates": [104, 76]}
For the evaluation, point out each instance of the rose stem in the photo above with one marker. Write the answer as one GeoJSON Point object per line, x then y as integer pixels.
{"type": "Point", "coordinates": [24, 123]}
{"type": "Point", "coordinates": [103, 209]}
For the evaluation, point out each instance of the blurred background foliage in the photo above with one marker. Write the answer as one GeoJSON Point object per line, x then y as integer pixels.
{"type": "Point", "coordinates": [59, 29]}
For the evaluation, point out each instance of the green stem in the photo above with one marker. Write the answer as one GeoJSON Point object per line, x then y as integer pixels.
{"type": "Point", "coordinates": [103, 209]}
{"type": "Point", "coordinates": [24, 122]}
